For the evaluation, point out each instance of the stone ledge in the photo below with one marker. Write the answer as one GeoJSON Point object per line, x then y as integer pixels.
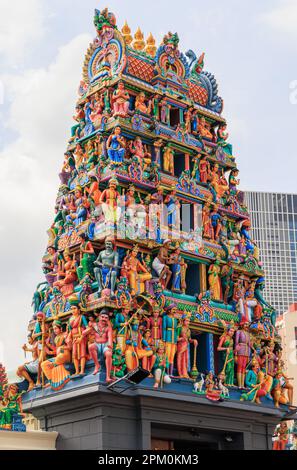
{"type": "Point", "coordinates": [30, 440]}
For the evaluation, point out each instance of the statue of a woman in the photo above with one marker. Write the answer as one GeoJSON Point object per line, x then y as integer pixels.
{"type": "Point", "coordinates": [54, 369]}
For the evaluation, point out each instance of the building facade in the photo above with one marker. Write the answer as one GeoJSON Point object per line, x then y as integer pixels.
{"type": "Point", "coordinates": [150, 266]}
{"type": "Point", "coordinates": [274, 222]}
{"type": "Point", "coordinates": [287, 328]}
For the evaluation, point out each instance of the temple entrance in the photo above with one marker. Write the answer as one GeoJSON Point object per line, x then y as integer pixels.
{"type": "Point", "coordinates": [187, 439]}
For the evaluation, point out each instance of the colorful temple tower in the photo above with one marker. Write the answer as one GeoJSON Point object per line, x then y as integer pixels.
{"type": "Point", "coordinates": [150, 262]}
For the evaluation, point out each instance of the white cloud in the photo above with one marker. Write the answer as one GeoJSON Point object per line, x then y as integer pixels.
{"type": "Point", "coordinates": [22, 23]}
{"type": "Point", "coordinates": [283, 18]}
{"type": "Point", "coordinates": [42, 103]}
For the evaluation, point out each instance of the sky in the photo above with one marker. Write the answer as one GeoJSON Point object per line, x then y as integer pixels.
{"type": "Point", "coordinates": [251, 48]}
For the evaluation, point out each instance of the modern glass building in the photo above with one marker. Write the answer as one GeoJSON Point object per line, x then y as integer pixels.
{"type": "Point", "coordinates": [274, 220]}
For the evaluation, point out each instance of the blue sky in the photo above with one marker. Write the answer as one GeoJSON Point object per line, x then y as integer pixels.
{"type": "Point", "coordinates": [251, 47]}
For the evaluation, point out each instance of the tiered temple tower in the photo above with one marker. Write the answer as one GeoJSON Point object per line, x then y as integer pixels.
{"type": "Point", "coordinates": [150, 262]}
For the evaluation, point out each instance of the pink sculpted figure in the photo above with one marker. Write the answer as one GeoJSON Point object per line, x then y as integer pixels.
{"type": "Point", "coordinates": [120, 101]}
{"type": "Point", "coordinates": [100, 342]}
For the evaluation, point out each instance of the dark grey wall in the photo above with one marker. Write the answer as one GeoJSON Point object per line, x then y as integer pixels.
{"type": "Point", "coordinates": [102, 420]}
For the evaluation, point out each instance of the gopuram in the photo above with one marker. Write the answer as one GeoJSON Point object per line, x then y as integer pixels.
{"type": "Point", "coordinates": [151, 267]}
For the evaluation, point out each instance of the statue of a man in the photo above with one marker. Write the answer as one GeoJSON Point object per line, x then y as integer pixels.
{"type": "Point", "coordinates": [106, 268]}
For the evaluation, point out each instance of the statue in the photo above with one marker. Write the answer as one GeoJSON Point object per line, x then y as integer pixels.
{"type": "Point", "coordinates": [106, 266]}
{"type": "Point", "coordinates": [225, 347]}
{"type": "Point", "coordinates": [154, 323]}
{"type": "Point", "coordinates": [255, 383]}
{"type": "Point", "coordinates": [137, 273]}
{"type": "Point", "coordinates": [54, 369]}
{"type": "Point", "coordinates": [242, 352]}
{"type": "Point", "coordinates": [161, 365]}
{"type": "Point", "coordinates": [31, 368]}
{"type": "Point", "coordinates": [222, 138]}
{"type": "Point", "coordinates": [137, 348]}
{"type": "Point", "coordinates": [160, 264]}
{"type": "Point", "coordinates": [67, 275]}
{"type": "Point", "coordinates": [100, 343]}
{"type": "Point", "coordinates": [120, 326]}
{"type": "Point", "coordinates": [204, 130]}
{"type": "Point", "coordinates": [140, 104]}
{"type": "Point", "coordinates": [179, 269]}
{"type": "Point", "coordinates": [183, 342]}
{"type": "Point", "coordinates": [168, 160]}
{"type": "Point", "coordinates": [227, 281]}
{"type": "Point", "coordinates": [12, 401]}
{"type": "Point", "coordinates": [87, 258]}
{"type": "Point", "coordinates": [173, 208]}
{"type": "Point", "coordinates": [76, 325]}
{"type": "Point", "coordinates": [215, 281]}
{"type": "Point", "coordinates": [170, 326]}
{"type": "Point", "coordinates": [140, 151]}
{"type": "Point", "coordinates": [115, 146]}
{"type": "Point", "coordinates": [208, 231]}
{"type": "Point", "coordinates": [109, 201]}
{"type": "Point", "coordinates": [120, 101]}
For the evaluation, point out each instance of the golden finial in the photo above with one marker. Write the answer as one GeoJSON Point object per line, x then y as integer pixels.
{"type": "Point", "coordinates": [138, 43]}
{"type": "Point", "coordinates": [126, 31]}
{"type": "Point", "coordinates": [150, 48]}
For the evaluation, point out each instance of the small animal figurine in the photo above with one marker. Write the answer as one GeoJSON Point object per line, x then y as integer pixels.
{"type": "Point", "coordinates": [199, 385]}
{"type": "Point", "coordinates": [222, 386]}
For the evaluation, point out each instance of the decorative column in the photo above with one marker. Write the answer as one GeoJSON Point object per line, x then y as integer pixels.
{"type": "Point", "coordinates": [187, 161]}
{"type": "Point", "coordinates": [209, 352]}
{"type": "Point", "coordinates": [203, 278]}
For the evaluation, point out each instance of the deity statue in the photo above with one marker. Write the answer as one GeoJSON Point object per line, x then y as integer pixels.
{"type": "Point", "coordinates": [154, 323]}
{"type": "Point", "coordinates": [165, 111]}
{"type": "Point", "coordinates": [183, 342]}
{"type": "Point", "coordinates": [121, 327]}
{"type": "Point", "coordinates": [106, 266]}
{"type": "Point", "coordinates": [227, 281]}
{"type": "Point", "coordinates": [50, 265]}
{"type": "Point", "coordinates": [137, 272]}
{"type": "Point", "coordinates": [173, 207]}
{"type": "Point", "coordinates": [242, 352]}
{"type": "Point", "coordinates": [255, 382]}
{"type": "Point", "coordinates": [215, 281]}
{"type": "Point", "coordinates": [140, 151]}
{"type": "Point", "coordinates": [188, 119]}
{"type": "Point", "coordinates": [109, 201]}
{"type": "Point", "coordinates": [168, 160]}
{"type": "Point", "coordinates": [203, 129]}
{"type": "Point", "coordinates": [120, 101]}
{"type": "Point", "coordinates": [204, 169]}
{"type": "Point", "coordinates": [233, 182]}
{"type": "Point", "coordinates": [160, 264]}
{"type": "Point", "coordinates": [160, 367]}
{"type": "Point", "coordinates": [208, 231]}
{"type": "Point", "coordinates": [12, 406]}
{"type": "Point", "coordinates": [97, 109]}
{"type": "Point", "coordinates": [170, 334]}
{"type": "Point", "coordinates": [31, 368]}
{"type": "Point", "coordinates": [54, 369]}
{"type": "Point", "coordinates": [179, 269]}
{"type": "Point", "coordinates": [222, 138]}
{"type": "Point", "coordinates": [225, 347]}
{"type": "Point", "coordinates": [219, 183]}
{"type": "Point", "coordinates": [93, 192]}
{"type": "Point", "coordinates": [87, 258]}
{"type": "Point", "coordinates": [76, 325]}
{"type": "Point", "coordinates": [66, 274]}
{"type": "Point", "coordinates": [115, 146]}
{"type": "Point", "coordinates": [100, 343]}
{"type": "Point", "coordinates": [137, 348]}
{"type": "Point", "coordinates": [216, 223]}
{"type": "Point", "coordinates": [140, 104]}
